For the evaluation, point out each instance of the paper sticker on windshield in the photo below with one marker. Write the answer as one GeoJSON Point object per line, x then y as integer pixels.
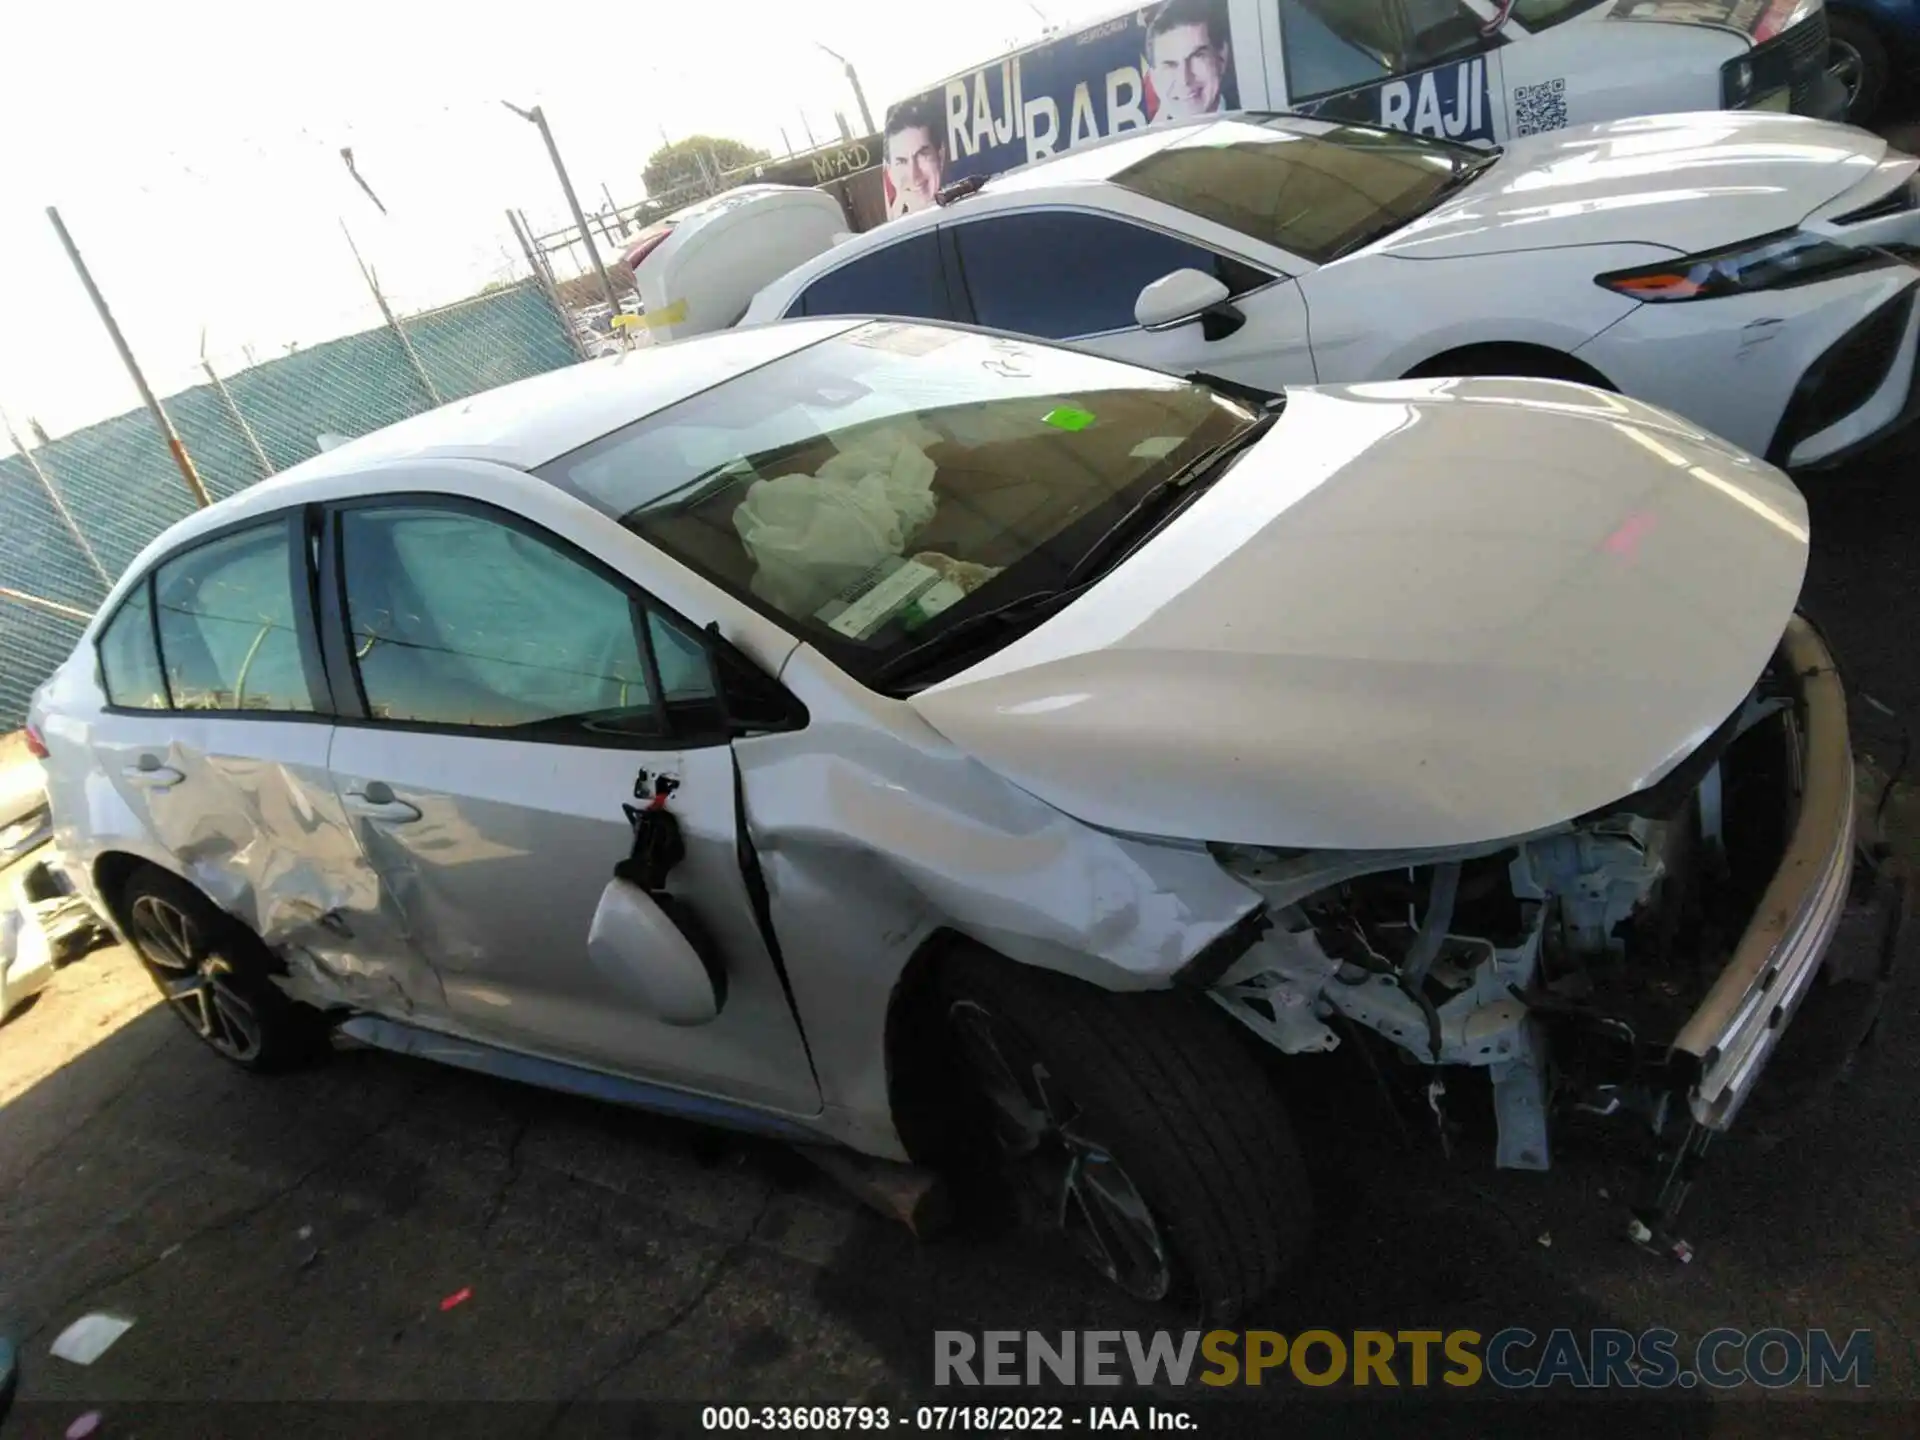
{"type": "Point", "coordinates": [902, 339]}
{"type": "Point", "coordinates": [1157, 447]}
{"type": "Point", "coordinates": [877, 606]}
{"type": "Point", "coordinates": [1068, 417]}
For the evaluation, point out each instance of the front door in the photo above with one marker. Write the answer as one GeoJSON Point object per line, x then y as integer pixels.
{"type": "Point", "coordinates": [518, 698]}
{"type": "Point", "coordinates": [216, 737]}
{"type": "Point", "coordinates": [1075, 276]}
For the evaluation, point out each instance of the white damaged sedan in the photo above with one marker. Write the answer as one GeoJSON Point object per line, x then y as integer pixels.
{"type": "Point", "coordinates": [917, 739]}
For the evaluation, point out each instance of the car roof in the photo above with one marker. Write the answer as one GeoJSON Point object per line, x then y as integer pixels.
{"type": "Point", "coordinates": [521, 425]}
{"type": "Point", "coordinates": [1089, 165]}
{"type": "Point", "coordinates": [526, 423]}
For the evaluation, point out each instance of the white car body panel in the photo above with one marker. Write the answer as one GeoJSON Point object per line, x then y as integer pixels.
{"type": "Point", "coordinates": [1376, 632]}
{"type": "Point", "coordinates": [1689, 182]}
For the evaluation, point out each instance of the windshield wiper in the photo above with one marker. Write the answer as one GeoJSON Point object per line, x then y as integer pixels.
{"type": "Point", "coordinates": [964, 635]}
{"type": "Point", "coordinates": [1209, 464]}
{"type": "Point", "coordinates": [960, 636]}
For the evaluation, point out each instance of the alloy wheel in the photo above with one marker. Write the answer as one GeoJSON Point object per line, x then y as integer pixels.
{"type": "Point", "coordinates": [195, 981]}
{"type": "Point", "coordinates": [1067, 1175]}
{"type": "Point", "coordinates": [1846, 66]}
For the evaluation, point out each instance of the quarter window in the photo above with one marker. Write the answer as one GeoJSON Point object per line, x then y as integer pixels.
{"type": "Point", "coordinates": [459, 620]}
{"type": "Point", "coordinates": [902, 279]}
{"type": "Point", "coordinates": [1060, 274]}
{"type": "Point", "coordinates": [228, 637]}
{"type": "Point", "coordinates": [129, 664]}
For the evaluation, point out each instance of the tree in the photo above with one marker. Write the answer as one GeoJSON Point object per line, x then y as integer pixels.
{"type": "Point", "coordinates": [696, 158]}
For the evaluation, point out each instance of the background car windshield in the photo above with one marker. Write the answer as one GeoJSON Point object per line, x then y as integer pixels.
{"type": "Point", "coordinates": [1317, 191]}
{"type": "Point", "coordinates": [1539, 14]}
{"type": "Point", "coordinates": [875, 488]}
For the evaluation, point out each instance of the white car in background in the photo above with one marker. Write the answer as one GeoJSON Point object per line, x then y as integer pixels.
{"type": "Point", "coordinates": [1745, 270]}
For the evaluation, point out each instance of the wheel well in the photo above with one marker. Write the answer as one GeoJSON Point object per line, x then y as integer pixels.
{"type": "Point", "coordinates": [1541, 362]}
{"type": "Point", "coordinates": [110, 875]}
{"type": "Point", "coordinates": [919, 1057]}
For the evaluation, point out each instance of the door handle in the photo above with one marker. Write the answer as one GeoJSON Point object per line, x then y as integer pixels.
{"type": "Point", "coordinates": [150, 774]}
{"type": "Point", "coordinates": [376, 801]}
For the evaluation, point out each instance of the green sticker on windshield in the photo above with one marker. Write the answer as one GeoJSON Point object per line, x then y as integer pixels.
{"type": "Point", "coordinates": [1065, 417]}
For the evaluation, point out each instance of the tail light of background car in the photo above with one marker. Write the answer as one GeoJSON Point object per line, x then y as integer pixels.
{"type": "Point", "coordinates": [36, 747]}
{"type": "Point", "coordinates": [648, 243]}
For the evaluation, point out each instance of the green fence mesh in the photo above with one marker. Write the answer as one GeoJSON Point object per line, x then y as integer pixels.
{"type": "Point", "coordinates": [121, 488]}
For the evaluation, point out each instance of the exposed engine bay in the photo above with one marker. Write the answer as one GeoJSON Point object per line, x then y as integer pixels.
{"type": "Point", "coordinates": [1564, 963]}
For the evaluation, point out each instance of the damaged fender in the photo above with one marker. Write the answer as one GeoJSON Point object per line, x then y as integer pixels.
{"type": "Point", "coordinates": [869, 844]}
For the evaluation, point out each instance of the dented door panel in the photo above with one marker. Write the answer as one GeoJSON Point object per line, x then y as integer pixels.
{"type": "Point", "coordinates": [246, 810]}
{"type": "Point", "coordinates": [499, 877]}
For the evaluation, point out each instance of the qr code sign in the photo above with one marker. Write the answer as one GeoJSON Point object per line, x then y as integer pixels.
{"type": "Point", "coordinates": [1540, 107]}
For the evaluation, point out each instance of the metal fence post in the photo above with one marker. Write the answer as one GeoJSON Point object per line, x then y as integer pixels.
{"type": "Point", "coordinates": [233, 411]}
{"type": "Point", "coordinates": [545, 282]}
{"type": "Point", "coordinates": [172, 436]}
{"type": "Point", "coordinates": [59, 505]}
{"type": "Point", "coordinates": [393, 321]}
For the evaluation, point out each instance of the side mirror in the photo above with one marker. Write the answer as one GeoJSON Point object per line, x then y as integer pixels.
{"type": "Point", "coordinates": [1178, 299]}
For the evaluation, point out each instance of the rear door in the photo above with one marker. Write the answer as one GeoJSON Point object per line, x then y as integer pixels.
{"type": "Point", "coordinates": [1074, 275]}
{"type": "Point", "coordinates": [512, 697]}
{"type": "Point", "coordinates": [1432, 67]}
{"type": "Point", "coordinates": [216, 735]}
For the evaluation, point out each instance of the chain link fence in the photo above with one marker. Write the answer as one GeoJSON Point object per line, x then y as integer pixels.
{"type": "Point", "coordinates": [74, 511]}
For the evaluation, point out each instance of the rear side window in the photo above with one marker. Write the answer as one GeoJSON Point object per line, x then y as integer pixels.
{"type": "Point", "coordinates": [228, 638]}
{"type": "Point", "coordinates": [463, 621]}
{"type": "Point", "coordinates": [901, 279]}
{"type": "Point", "coordinates": [129, 664]}
{"type": "Point", "coordinates": [1060, 274]}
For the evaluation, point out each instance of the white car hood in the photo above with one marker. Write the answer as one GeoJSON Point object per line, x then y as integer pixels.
{"type": "Point", "coordinates": [1690, 182]}
{"type": "Point", "coordinates": [1420, 613]}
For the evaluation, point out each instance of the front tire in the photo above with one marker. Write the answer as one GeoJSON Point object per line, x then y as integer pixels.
{"type": "Point", "coordinates": [216, 975]}
{"type": "Point", "coordinates": [1138, 1125]}
{"type": "Point", "coordinates": [1857, 58]}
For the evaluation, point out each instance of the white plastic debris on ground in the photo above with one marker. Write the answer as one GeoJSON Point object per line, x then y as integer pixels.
{"type": "Point", "coordinates": [811, 536]}
{"type": "Point", "coordinates": [90, 1337]}
{"type": "Point", "coordinates": [43, 923]}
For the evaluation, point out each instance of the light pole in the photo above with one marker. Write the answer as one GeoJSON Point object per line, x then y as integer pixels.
{"type": "Point", "coordinates": [853, 78]}
{"type": "Point", "coordinates": [537, 117]}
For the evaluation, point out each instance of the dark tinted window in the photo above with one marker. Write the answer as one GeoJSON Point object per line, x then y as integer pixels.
{"type": "Point", "coordinates": [1314, 189]}
{"type": "Point", "coordinates": [227, 631]}
{"type": "Point", "coordinates": [129, 664]}
{"type": "Point", "coordinates": [456, 619]}
{"type": "Point", "coordinates": [901, 279]}
{"type": "Point", "coordinates": [1060, 274]}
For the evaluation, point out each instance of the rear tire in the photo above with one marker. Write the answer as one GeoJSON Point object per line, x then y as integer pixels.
{"type": "Point", "coordinates": [1858, 58]}
{"type": "Point", "coordinates": [1141, 1127]}
{"type": "Point", "coordinates": [217, 975]}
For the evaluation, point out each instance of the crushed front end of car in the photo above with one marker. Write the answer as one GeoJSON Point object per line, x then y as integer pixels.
{"type": "Point", "coordinates": [1646, 962]}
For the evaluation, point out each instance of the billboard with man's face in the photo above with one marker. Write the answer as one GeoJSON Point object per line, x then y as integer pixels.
{"type": "Point", "coordinates": [1160, 63]}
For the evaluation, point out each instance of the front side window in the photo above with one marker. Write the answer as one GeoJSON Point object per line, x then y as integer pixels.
{"type": "Point", "coordinates": [902, 279]}
{"type": "Point", "coordinates": [228, 637]}
{"type": "Point", "coordinates": [129, 664]}
{"type": "Point", "coordinates": [873, 489]}
{"type": "Point", "coordinates": [1312, 188]}
{"type": "Point", "coordinates": [456, 619]}
{"type": "Point", "coordinates": [1062, 274]}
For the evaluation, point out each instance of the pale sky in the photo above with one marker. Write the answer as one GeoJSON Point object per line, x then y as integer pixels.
{"type": "Point", "coordinates": [193, 151]}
